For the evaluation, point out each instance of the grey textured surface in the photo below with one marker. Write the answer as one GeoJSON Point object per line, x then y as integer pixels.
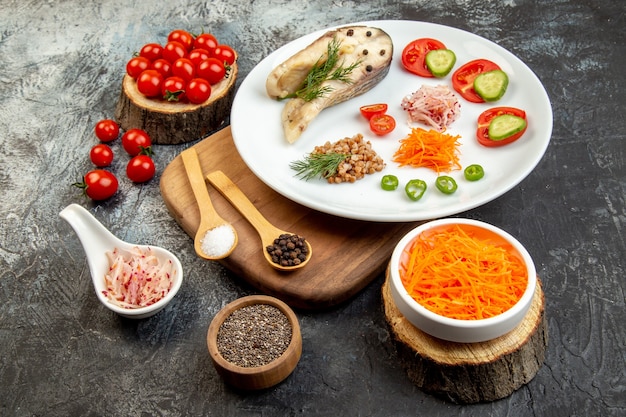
{"type": "Point", "coordinates": [64, 354]}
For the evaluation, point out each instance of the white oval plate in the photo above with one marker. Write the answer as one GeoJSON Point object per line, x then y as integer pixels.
{"type": "Point", "coordinates": [258, 134]}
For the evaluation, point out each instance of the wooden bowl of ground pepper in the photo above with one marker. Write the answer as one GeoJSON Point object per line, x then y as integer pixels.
{"type": "Point", "coordinates": [255, 342]}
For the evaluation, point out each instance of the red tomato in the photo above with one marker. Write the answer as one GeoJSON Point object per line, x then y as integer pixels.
{"type": "Point", "coordinates": [137, 65]}
{"type": "Point", "coordinates": [414, 55]}
{"type": "Point", "coordinates": [205, 41]}
{"type": "Point", "coordinates": [373, 109]}
{"type": "Point", "coordinates": [173, 89]}
{"type": "Point", "coordinates": [381, 124]}
{"type": "Point", "coordinates": [225, 54]}
{"type": "Point", "coordinates": [198, 90]}
{"type": "Point", "coordinates": [485, 118]}
{"type": "Point", "coordinates": [101, 155]}
{"type": "Point", "coordinates": [182, 36]}
{"type": "Point", "coordinates": [136, 141]}
{"type": "Point", "coordinates": [107, 130]}
{"type": "Point", "coordinates": [149, 83]}
{"type": "Point", "coordinates": [197, 55]}
{"type": "Point", "coordinates": [163, 66]}
{"type": "Point", "coordinates": [184, 68]}
{"type": "Point", "coordinates": [463, 78]}
{"type": "Point", "coordinates": [140, 168]}
{"type": "Point", "coordinates": [152, 51]}
{"type": "Point", "coordinates": [212, 70]}
{"type": "Point", "coordinates": [174, 50]}
{"type": "Point", "coordinates": [98, 184]}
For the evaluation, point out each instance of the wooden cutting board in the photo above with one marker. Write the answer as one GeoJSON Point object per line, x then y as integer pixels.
{"type": "Point", "coordinates": [347, 254]}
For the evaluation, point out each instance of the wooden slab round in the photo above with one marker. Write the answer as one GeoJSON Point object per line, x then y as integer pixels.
{"type": "Point", "coordinates": [171, 123]}
{"type": "Point", "coordinates": [470, 372]}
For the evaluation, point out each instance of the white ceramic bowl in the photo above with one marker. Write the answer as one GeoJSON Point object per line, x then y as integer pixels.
{"type": "Point", "coordinates": [456, 330]}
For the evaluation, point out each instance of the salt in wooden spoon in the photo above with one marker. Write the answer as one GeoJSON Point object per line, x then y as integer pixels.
{"type": "Point", "coordinates": [267, 231]}
{"type": "Point", "coordinates": [223, 237]}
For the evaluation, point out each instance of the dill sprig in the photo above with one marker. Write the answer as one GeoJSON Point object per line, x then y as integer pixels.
{"type": "Point", "coordinates": [318, 165]}
{"type": "Point", "coordinates": [324, 70]}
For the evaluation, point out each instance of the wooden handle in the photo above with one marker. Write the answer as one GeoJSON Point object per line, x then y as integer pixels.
{"type": "Point", "coordinates": [196, 179]}
{"type": "Point", "coordinates": [238, 199]}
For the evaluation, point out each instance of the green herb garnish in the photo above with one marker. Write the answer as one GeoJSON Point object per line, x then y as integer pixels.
{"type": "Point", "coordinates": [318, 165]}
{"type": "Point", "coordinates": [322, 71]}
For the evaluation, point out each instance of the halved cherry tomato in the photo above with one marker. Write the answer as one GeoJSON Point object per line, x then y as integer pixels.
{"type": "Point", "coordinates": [107, 130]}
{"type": "Point", "coordinates": [485, 118]}
{"type": "Point", "coordinates": [381, 124]}
{"type": "Point", "coordinates": [463, 78]}
{"type": "Point", "coordinates": [373, 109]}
{"type": "Point", "coordinates": [414, 55]}
{"type": "Point", "coordinates": [182, 36]}
{"type": "Point", "coordinates": [101, 155]}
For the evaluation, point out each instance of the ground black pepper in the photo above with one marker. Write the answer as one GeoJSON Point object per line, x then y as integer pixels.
{"type": "Point", "coordinates": [288, 250]}
{"type": "Point", "coordinates": [254, 335]}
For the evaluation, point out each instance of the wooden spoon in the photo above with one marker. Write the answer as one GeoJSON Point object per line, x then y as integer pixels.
{"type": "Point", "coordinates": [267, 231]}
{"type": "Point", "coordinates": [210, 220]}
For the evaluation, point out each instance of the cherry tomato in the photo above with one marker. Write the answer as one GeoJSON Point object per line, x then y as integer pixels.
{"type": "Point", "coordinates": [152, 51]}
{"type": "Point", "coordinates": [98, 184]}
{"type": "Point", "coordinates": [149, 83]}
{"type": "Point", "coordinates": [205, 41]}
{"type": "Point", "coordinates": [197, 55]}
{"type": "Point", "coordinates": [463, 78]}
{"type": "Point", "coordinates": [182, 36]}
{"type": "Point", "coordinates": [212, 70]}
{"type": "Point", "coordinates": [414, 55]}
{"type": "Point", "coordinates": [140, 168]}
{"type": "Point", "coordinates": [137, 65]}
{"type": "Point", "coordinates": [373, 109]}
{"type": "Point", "coordinates": [184, 68]}
{"type": "Point", "coordinates": [198, 90]}
{"type": "Point", "coordinates": [225, 54]}
{"type": "Point", "coordinates": [107, 130]}
{"type": "Point", "coordinates": [485, 118]}
{"type": "Point", "coordinates": [136, 141]}
{"type": "Point", "coordinates": [174, 50]}
{"type": "Point", "coordinates": [173, 89]}
{"type": "Point", "coordinates": [381, 124]}
{"type": "Point", "coordinates": [101, 155]}
{"type": "Point", "coordinates": [163, 66]}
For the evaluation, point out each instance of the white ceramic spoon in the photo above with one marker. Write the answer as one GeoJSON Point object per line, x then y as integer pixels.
{"type": "Point", "coordinates": [97, 240]}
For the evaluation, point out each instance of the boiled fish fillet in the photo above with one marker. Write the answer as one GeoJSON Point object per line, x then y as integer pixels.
{"type": "Point", "coordinates": [369, 46]}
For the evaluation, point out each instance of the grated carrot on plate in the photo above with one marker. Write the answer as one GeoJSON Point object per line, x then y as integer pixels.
{"type": "Point", "coordinates": [463, 273]}
{"type": "Point", "coordinates": [430, 149]}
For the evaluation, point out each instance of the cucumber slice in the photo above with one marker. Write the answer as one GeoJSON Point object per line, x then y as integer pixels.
{"type": "Point", "coordinates": [505, 125]}
{"type": "Point", "coordinates": [491, 85]}
{"type": "Point", "coordinates": [440, 62]}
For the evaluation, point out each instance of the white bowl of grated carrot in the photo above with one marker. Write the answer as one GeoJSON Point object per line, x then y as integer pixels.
{"type": "Point", "coordinates": [462, 280]}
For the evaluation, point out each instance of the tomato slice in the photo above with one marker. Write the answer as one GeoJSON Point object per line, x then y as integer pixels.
{"type": "Point", "coordinates": [463, 78]}
{"type": "Point", "coordinates": [485, 118]}
{"type": "Point", "coordinates": [414, 55]}
{"type": "Point", "coordinates": [373, 109]}
{"type": "Point", "coordinates": [381, 124]}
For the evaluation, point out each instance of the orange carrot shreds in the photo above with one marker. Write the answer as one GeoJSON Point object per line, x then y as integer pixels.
{"type": "Point", "coordinates": [430, 149]}
{"type": "Point", "coordinates": [463, 272]}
